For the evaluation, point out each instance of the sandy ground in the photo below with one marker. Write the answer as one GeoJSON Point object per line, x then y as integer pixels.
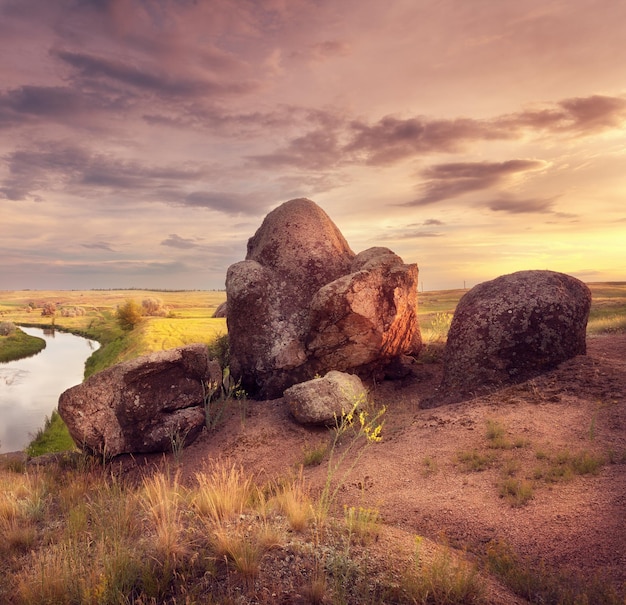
{"type": "Point", "coordinates": [415, 479]}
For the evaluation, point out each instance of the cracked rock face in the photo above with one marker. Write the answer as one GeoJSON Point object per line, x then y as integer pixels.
{"type": "Point", "coordinates": [303, 303]}
{"type": "Point", "coordinates": [138, 406]}
{"type": "Point", "coordinates": [513, 328]}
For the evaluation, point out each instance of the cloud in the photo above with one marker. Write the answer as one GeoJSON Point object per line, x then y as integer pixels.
{"type": "Point", "coordinates": [328, 49]}
{"type": "Point", "coordinates": [446, 181]}
{"type": "Point", "coordinates": [176, 241]}
{"type": "Point", "coordinates": [578, 115]}
{"type": "Point", "coordinates": [392, 139]}
{"type": "Point", "coordinates": [316, 150]}
{"type": "Point", "coordinates": [227, 202]}
{"type": "Point", "coordinates": [98, 246]}
{"type": "Point", "coordinates": [148, 78]}
{"type": "Point", "coordinates": [525, 206]}
{"type": "Point", "coordinates": [74, 168]}
{"type": "Point", "coordinates": [58, 103]}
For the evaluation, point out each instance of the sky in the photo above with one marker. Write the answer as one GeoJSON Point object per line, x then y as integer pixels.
{"type": "Point", "coordinates": [143, 142]}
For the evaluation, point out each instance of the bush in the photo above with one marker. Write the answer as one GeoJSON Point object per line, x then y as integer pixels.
{"type": "Point", "coordinates": [72, 312]}
{"type": "Point", "coordinates": [154, 307]}
{"type": "Point", "coordinates": [129, 314]}
{"type": "Point", "coordinates": [7, 328]}
{"type": "Point", "coordinates": [49, 309]}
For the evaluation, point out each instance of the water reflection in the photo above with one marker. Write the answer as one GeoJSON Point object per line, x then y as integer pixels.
{"type": "Point", "coordinates": [30, 388]}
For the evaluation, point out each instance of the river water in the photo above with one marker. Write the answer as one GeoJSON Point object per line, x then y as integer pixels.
{"type": "Point", "coordinates": [30, 388]}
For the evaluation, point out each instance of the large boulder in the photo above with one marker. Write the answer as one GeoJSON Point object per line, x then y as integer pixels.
{"type": "Point", "coordinates": [325, 400]}
{"type": "Point", "coordinates": [513, 328]}
{"type": "Point", "coordinates": [140, 405]}
{"type": "Point", "coordinates": [366, 316]}
{"type": "Point", "coordinates": [302, 303]}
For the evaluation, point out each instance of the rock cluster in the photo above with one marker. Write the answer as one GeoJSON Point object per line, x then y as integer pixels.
{"type": "Point", "coordinates": [302, 303]}
{"type": "Point", "coordinates": [141, 405]}
{"type": "Point", "coordinates": [513, 328]}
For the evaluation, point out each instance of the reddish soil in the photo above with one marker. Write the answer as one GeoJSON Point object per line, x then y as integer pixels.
{"type": "Point", "coordinates": [415, 479]}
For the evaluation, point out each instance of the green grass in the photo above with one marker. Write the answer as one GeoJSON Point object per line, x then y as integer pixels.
{"type": "Point", "coordinates": [564, 465]}
{"type": "Point", "coordinates": [53, 437]}
{"type": "Point", "coordinates": [19, 345]}
{"type": "Point", "coordinates": [475, 461]}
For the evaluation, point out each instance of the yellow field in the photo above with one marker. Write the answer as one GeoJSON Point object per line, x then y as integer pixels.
{"type": "Point", "coordinates": [190, 317]}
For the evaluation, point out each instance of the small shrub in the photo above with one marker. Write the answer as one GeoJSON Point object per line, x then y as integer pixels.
{"type": "Point", "coordinates": [444, 580]}
{"type": "Point", "coordinates": [49, 309]}
{"type": "Point", "coordinates": [292, 499]}
{"type": "Point", "coordinates": [129, 314]}
{"type": "Point", "coordinates": [313, 455]}
{"type": "Point", "coordinates": [154, 307]}
{"type": "Point", "coordinates": [517, 491]}
{"type": "Point", "coordinates": [429, 466]}
{"type": "Point", "coordinates": [564, 465]}
{"type": "Point", "coordinates": [7, 328]}
{"type": "Point", "coordinates": [363, 524]}
{"type": "Point", "coordinates": [475, 460]}
{"type": "Point", "coordinates": [219, 349]}
{"type": "Point", "coordinates": [223, 493]}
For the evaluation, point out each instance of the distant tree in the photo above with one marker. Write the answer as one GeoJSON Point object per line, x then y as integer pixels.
{"type": "Point", "coordinates": [7, 328]}
{"type": "Point", "coordinates": [129, 314]}
{"type": "Point", "coordinates": [154, 307]}
{"type": "Point", "coordinates": [49, 309]}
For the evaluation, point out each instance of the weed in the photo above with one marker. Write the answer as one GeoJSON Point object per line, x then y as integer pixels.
{"type": "Point", "coordinates": [517, 491]}
{"type": "Point", "coordinates": [498, 439]}
{"type": "Point", "coordinates": [475, 461]}
{"type": "Point", "coordinates": [429, 466]}
{"type": "Point", "coordinates": [363, 524]}
{"type": "Point", "coordinates": [222, 493]}
{"type": "Point", "coordinates": [219, 396]}
{"type": "Point", "coordinates": [313, 455]}
{"type": "Point", "coordinates": [178, 438]}
{"type": "Point", "coordinates": [444, 580]}
{"type": "Point", "coordinates": [564, 465]}
{"type": "Point", "coordinates": [437, 332]}
{"type": "Point", "coordinates": [292, 499]}
{"type": "Point", "coordinates": [363, 425]}
{"type": "Point", "coordinates": [161, 501]}
{"type": "Point", "coordinates": [539, 584]}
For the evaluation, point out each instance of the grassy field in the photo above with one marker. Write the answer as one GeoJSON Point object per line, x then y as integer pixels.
{"type": "Point", "coordinates": [91, 313]}
{"type": "Point", "coordinates": [189, 319]}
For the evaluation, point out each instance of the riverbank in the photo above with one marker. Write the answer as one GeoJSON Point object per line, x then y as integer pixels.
{"type": "Point", "coordinates": [19, 345]}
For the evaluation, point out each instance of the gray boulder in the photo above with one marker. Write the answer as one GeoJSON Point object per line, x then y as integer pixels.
{"type": "Point", "coordinates": [513, 328]}
{"type": "Point", "coordinates": [302, 303]}
{"type": "Point", "coordinates": [139, 406]}
{"type": "Point", "coordinates": [324, 400]}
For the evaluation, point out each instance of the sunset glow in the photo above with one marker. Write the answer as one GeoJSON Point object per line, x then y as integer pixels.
{"type": "Point", "coordinates": [142, 143]}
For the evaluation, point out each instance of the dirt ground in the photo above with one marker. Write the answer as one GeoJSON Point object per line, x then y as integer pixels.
{"type": "Point", "coordinates": [415, 477]}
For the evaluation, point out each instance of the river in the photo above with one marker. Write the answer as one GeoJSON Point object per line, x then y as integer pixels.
{"type": "Point", "coordinates": [30, 388]}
